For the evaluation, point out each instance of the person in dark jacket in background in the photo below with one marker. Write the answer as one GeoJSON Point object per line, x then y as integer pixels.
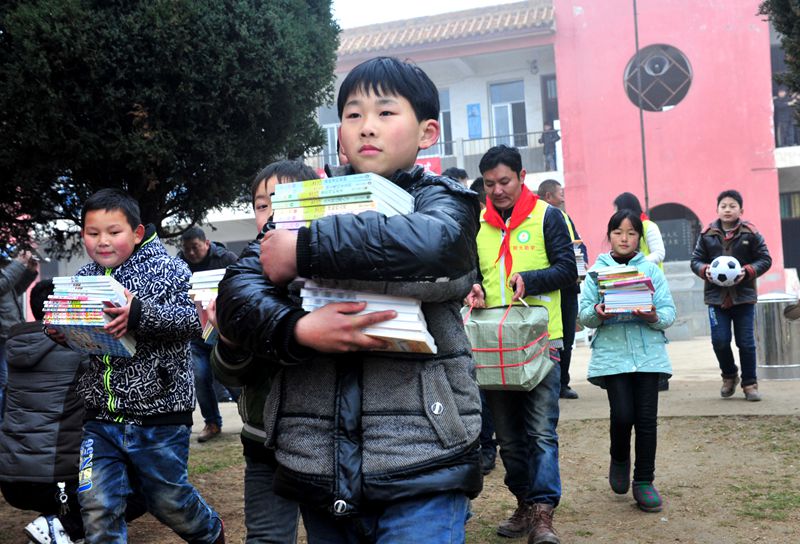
{"type": "Point", "coordinates": [16, 276]}
{"type": "Point", "coordinates": [525, 253]}
{"type": "Point", "coordinates": [267, 517]}
{"type": "Point", "coordinates": [376, 446]}
{"type": "Point", "coordinates": [552, 192]}
{"type": "Point", "coordinates": [41, 438]}
{"type": "Point", "coordinates": [734, 305]}
{"type": "Point", "coordinates": [202, 254]}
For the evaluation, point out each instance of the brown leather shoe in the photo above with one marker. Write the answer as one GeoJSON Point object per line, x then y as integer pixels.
{"type": "Point", "coordinates": [519, 524]}
{"type": "Point", "coordinates": [211, 430]}
{"type": "Point", "coordinates": [728, 385]}
{"type": "Point", "coordinates": [751, 392]}
{"type": "Point", "coordinates": [542, 531]}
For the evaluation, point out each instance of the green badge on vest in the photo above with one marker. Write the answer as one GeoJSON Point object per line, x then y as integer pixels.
{"type": "Point", "coordinates": [523, 236]}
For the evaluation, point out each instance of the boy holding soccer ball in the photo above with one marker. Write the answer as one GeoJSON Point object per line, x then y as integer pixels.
{"type": "Point", "coordinates": [733, 304]}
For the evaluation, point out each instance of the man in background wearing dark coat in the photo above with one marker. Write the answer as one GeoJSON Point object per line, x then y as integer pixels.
{"type": "Point", "coordinates": [202, 254]}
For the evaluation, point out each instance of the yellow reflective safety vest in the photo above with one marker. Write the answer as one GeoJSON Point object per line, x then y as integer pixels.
{"type": "Point", "coordinates": [529, 253]}
{"type": "Point", "coordinates": [643, 247]}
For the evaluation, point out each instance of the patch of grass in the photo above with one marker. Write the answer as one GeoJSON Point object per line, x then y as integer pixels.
{"type": "Point", "coordinates": [767, 504]}
{"type": "Point", "coordinates": [580, 532]}
{"type": "Point", "coordinates": [221, 453]}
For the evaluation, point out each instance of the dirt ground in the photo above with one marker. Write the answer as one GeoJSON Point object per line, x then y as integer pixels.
{"type": "Point", "coordinates": [731, 479]}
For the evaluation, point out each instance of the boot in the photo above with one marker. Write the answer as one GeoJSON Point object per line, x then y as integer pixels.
{"type": "Point", "coordinates": [729, 383]}
{"type": "Point", "coordinates": [751, 392]}
{"type": "Point", "coordinates": [211, 430]}
{"type": "Point", "coordinates": [519, 524]}
{"type": "Point", "coordinates": [619, 476]}
{"type": "Point", "coordinates": [542, 531]}
{"type": "Point", "coordinates": [648, 499]}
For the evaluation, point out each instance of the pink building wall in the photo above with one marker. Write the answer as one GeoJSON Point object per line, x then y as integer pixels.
{"type": "Point", "coordinates": [719, 137]}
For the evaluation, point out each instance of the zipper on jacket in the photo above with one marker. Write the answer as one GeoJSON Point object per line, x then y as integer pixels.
{"type": "Point", "coordinates": [110, 404]}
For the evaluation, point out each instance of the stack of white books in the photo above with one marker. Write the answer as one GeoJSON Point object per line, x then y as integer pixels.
{"type": "Point", "coordinates": [407, 332]}
{"type": "Point", "coordinates": [75, 309]}
{"type": "Point", "coordinates": [579, 262]}
{"type": "Point", "coordinates": [297, 204]}
{"type": "Point", "coordinates": [203, 288]}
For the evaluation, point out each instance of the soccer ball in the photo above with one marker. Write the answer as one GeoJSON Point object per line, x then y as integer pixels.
{"type": "Point", "coordinates": [725, 270]}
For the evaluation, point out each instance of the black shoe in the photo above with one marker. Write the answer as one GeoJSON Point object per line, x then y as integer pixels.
{"type": "Point", "coordinates": [568, 393]}
{"type": "Point", "coordinates": [488, 462]}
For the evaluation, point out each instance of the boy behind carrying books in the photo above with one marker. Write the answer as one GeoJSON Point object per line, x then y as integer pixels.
{"type": "Point", "coordinates": [376, 446]}
{"type": "Point", "coordinates": [139, 409]}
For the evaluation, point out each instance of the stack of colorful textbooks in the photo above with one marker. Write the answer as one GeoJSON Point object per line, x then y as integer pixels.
{"type": "Point", "coordinates": [624, 289]}
{"type": "Point", "coordinates": [75, 309]}
{"type": "Point", "coordinates": [203, 287]}
{"type": "Point", "coordinates": [297, 204]}
{"type": "Point", "coordinates": [579, 262]}
{"type": "Point", "coordinates": [407, 332]}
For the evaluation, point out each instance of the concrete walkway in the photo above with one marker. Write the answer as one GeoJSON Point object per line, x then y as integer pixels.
{"type": "Point", "coordinates": [694, 391]}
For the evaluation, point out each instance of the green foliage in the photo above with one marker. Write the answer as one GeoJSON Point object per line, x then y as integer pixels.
{"type": "Point", "coordinates": [785, 18]}
{"type": "Point", "coordinates": [180, 102]}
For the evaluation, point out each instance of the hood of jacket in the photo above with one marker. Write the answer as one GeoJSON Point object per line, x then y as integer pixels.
{"type": "Point", "coordinates": [27, 345]}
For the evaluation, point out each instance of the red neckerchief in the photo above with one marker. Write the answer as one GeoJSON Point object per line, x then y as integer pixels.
{"type": "Point", "coordinates": [644, 217]}
{"type": "Point", "coordinates": [522, 209]}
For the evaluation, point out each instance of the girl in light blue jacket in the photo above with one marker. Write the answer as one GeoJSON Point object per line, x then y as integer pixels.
{"type": "Point", "coordinates": [628, 356]}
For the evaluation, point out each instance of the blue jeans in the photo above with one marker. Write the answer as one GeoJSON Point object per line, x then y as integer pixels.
{"type": "Point", "coordinates": [550, 162]}
{"type": "Point", "coordinates": [204, 383]}
{"type": "Point", "coordinates": [742, 316]}
{"type": "Point", "coordinates": [432, 519]}
{"type": "Point", "coordinates": [157, 458]}
{"type": "Point", "coordinates": [268, 517]}
{"type": "Point", "coordinates": [526, 423]}
{"type": "Point", "coordinates": [3, 378]}
{"type": "Point", "coordinates": [633, 403]}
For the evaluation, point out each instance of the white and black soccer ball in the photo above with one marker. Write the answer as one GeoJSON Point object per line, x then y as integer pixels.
{"type": "Point", "coordinates": [724, 270]}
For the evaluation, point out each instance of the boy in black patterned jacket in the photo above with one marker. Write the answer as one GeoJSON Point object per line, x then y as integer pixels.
{"type": "Point", "coordinates": [139, 409]}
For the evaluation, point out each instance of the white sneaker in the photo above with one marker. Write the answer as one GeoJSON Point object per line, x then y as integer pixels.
{"type": "Point", "coordinates": [47, 530]}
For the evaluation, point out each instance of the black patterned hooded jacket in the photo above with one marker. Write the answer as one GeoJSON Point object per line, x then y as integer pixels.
{"type": "Point", "coordinates": [156, 385]}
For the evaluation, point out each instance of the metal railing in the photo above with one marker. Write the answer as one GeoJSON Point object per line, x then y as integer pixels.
{"type": "Point", "coordinates": [467, 152]}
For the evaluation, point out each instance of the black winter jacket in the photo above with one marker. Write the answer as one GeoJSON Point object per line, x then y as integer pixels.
{"type": "Point", "coordinates": [749, 248]}
{"type": "Point", "coordinates": [359, 430]}
{"type": "Point", "coordinates": [40, 436]}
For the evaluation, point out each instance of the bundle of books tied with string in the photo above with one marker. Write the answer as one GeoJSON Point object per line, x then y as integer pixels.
{"type": "Point", "coordinates": [624, 289]}
{"type": "Point", "coordinates": [75, 309]}
{"type": "Point", "coordinates": [203, 288]}
{"type": "Point", "coordinates": [577, 247]}
{"type": "Point", "coordinates": [297, 204]}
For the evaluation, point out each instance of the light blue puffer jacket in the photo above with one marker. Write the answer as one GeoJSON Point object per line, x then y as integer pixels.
{"type": "Point", "coordinates": [627, 343]}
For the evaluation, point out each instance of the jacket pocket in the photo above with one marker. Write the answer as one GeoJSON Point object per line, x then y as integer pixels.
{"type": "Point", "coordinates": [440, 407]}
{"type": "Point", "coordinates": [272, 407]}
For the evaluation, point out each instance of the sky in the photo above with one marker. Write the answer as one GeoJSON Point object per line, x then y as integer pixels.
{"type": "Point", "coordinates": [351, 13]}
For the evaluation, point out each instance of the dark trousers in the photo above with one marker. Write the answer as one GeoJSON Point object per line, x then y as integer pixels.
{"type": "Point", "coordinates": [569, 315]}
{"type": "Point", "coordinates": [742, 318]}
{"type": "Point", "coordinates": [43, 498]}
{"type": "Point", "coordinates": [488, 442]}
{"type": "Point", "coordinates": [633, 399]}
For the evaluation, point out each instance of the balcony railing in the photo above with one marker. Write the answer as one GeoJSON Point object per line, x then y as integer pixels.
{"type": "Point", "coordinates": [467, 153]}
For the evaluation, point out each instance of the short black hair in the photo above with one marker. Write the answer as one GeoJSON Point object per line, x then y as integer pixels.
{"type": "Point", "coordinates": [621, 215]}
{"type": "Point", "coordinates": [547, 186]}
{"type": "Point", "coordinates": [628, 201]}
{"type": "Point", "coordinates": [193, 233]}
{"type": "Point", "coordinates": [478, 187]}
{"type": "Point", "coordinates": [456, 173]}
{"type": "Point", "coordinates": [286, 171]}
{"type": "Point", "coordinates": [39, 294]}
{"type": "Point", "coordinates": [731, 193]}
{"type": "Point", "coordinates": [501, 154]}
{"type": "Point", "coordinates": [113, 199]}
{"type": "Point", "coordinates": [389, 75]}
